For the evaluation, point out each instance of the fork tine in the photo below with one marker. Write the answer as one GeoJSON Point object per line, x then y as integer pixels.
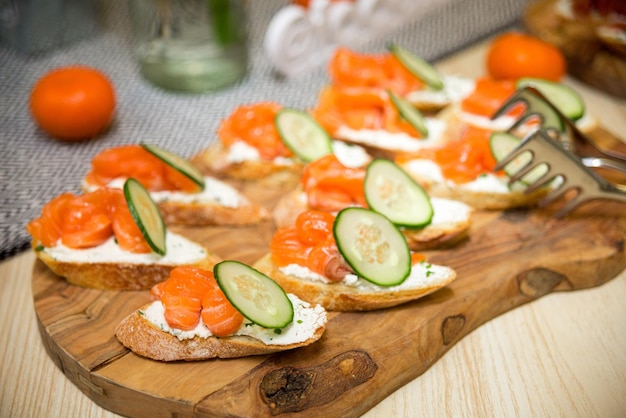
{"type": "Point", "coordinates": [521, 149]}
{"type": "Point", "coordinates": [541, 182]}
{"type": "Point", "coordinates": [510, 157]}
{"type": "Point", "coordinates": [535, 104]}
{"type": "Point", "coordinates": [519, 174]}
{"type": "Point", "coordinates": [508, 105]}
{"type": "Point", "coordinates": [568, 133]}
{"type": "Point", "coordinates": [572, 204]}
{"type": "Point", "coordinates": [525, 117]}
{"type": "Point", "coordinates": [554, 195]}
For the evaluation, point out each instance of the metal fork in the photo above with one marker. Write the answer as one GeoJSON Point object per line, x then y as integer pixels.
{"type": "Point", "coordinates": [568, 133]}
{"type": "Point", "coordinates": [563, 165]}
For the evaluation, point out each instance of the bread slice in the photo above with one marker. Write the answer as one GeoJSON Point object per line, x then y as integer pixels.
{"type": "Point", "coordinates": [143, 337]}
{"type": "Point", "coordinates": [455, 120]}
{"type": "Point", "coordinates": [98, 268]}
{"type": "Point", "coordinates": [492, 195]}
{"type": "Point", "coordinates": [451, 222]}
{"type": "Point", "coordinates": [219, 204]}
{"type": "Point", "coordinates": [216, 160]}
{"type": "Point", "coordinates": [487, 198]}
{"type": "Point", "coordinates": [362, 296]}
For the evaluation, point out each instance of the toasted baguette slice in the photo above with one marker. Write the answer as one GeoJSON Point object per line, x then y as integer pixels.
{"type": "Point", "coordinates": [143, 337]}
{"type": "Point", "coordinates": [451, 222]}
{"type": "Point", "coordinates": [102, 267]}
{"type": "Point", "coordinates": [428, 175]}
{"type": "Point", "coordinates": [216, 160]}
{"type": "Point", "coordinates": [218, 204]}
{"type": "Point", "coordinates": [456, 119]}
{"type": "Point", "coordinates": [487, 197]}
{"type": "Point", "coordinates": [363, 296]}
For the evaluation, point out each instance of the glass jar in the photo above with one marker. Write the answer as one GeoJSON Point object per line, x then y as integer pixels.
{"type": "Point", "coordinates": [190, 46]}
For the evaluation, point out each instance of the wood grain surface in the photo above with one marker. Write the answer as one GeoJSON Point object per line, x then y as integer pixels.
{"type": "Point", "coordinates": [510, 258]}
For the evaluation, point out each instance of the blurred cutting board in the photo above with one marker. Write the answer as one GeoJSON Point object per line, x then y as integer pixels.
{"type": "Point", "coordinates": [511, 258]}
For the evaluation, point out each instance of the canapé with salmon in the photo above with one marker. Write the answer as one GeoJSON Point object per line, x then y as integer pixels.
{"type": "Point", "coordinates": [355, 261]}
{"type": "Point", "coordinates": [111, 239]}
{"type": "Point", "coordinates": [184, 195]}
{"type": "Point", "coordinates": [328, 185]}
{"type": "Point", "coordinates": [249, 148]}
{"type": "Point", "coordinates": [198, 314]}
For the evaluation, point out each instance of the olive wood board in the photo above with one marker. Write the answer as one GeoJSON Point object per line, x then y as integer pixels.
{"type": "Point", "coordinates": [510, 258]}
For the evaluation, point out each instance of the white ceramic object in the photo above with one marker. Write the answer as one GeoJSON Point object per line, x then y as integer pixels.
{"type": "Point", "coordinates": [299, 39]}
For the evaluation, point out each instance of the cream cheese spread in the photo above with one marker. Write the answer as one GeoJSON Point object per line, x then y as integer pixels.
{"type": "Point", "coordinates": [454, 90]}
{"type": "Point", "coordinates": [447, 211]}
{"type": "Point", "coordinates": [350, 155]}
{"type": "Point", "coordinates": [395, 141]}
{"type": "Point", "coordinates": [306, 319]}
{"type": "Point", "coordinates": [429, 170]}
{"type": "Point", "coordinates": [240, 152]}
{"type": "Point", "coordinates": [215, 192]}
{"type": "Point", "coordinates": [422, 274]}
{"type": "Point", "coordinates": [179, 250]}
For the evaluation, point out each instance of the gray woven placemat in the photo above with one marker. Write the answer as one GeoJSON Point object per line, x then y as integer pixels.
{"type": "Point", "coordinates": [34, 168]}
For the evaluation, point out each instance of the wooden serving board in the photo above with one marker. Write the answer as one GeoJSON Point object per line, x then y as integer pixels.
{"type": "Point", "coordinates": [509, 259]}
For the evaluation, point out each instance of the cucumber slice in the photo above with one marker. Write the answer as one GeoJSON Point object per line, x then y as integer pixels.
{"type": "Point", "coordinates": [563, 97]}
{"type": "Point", "coordinates": [374, 248]}
{"type": "Point", "coordinates": [256, 296]}
{"type": "Point", "coordinates": [409, 113]}
{"type": "Point", "coordinates": [418, 67]}
{"type": "Point", "coordinates": [389, 190]}
{"type": "Point", "coordinates": [178, 163]}
{"type": "Point", "coordinates": [502, 144]}
{"type": "Point", "coordinates": [550, 118]}
{"type": "Point", "coordinates": [146, 215]}
{"type": "Point", "coordinates": [302, 134]}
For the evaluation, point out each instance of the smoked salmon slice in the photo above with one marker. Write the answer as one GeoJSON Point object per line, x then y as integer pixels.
{"type": "Point", "coordinates": [48, 228]}
{"type": "Point", "coordinates": [87, 221]}
{"type": "Point", "coordinates": [191, 294]}
{"type": "Point", "coordinates": [488, 96]}
{"type": "Point", "coordinates": [309, 242]}
{"type": "Point", "coordinates": [357, 109]}
{"type": "Point", "coordinates": [331, 186]}
{"type": "Point", "coordinates": [461, 160]}
{"type": "Point", "coordinates": [254, 125]}
{"type": "Point", "coordinates": [348, 68]}
{"type": "Point", "coordinates": [134, 161]}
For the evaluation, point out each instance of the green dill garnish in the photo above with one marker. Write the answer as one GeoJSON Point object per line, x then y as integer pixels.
{"type": "Point", "coordinates": [142, 313]}
{"type": "Point", "coordinates": [39, 248]}
{"type": "Point", "coordinates": [299, 321]}
{"type": "Point", "coordinates": [429, 272]}
{"type": "Point", "coordinates": [278, 331]}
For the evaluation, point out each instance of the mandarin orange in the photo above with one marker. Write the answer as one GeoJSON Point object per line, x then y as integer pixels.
{"type": "Point", "coordinates": [514, 55]}
{"type": "Point", "coordinates": [73, 103]}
